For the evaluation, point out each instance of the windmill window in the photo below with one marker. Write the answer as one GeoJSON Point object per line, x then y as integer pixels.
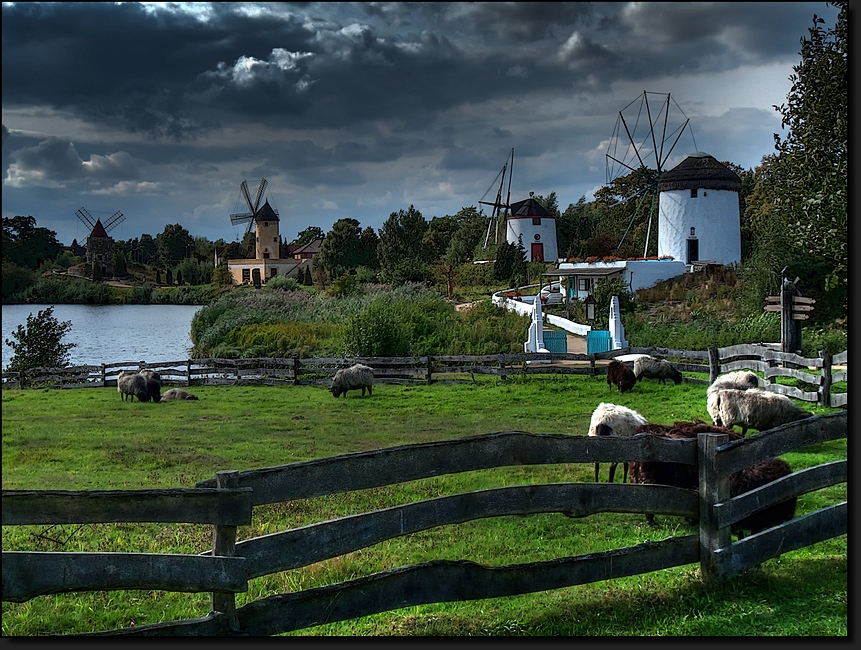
{"type": "Point", "coordinates": [266, 255]}
{"type": "Point", "coordinates": [584, 284]}
{"type": "Point", "coordinates": [246, 276]}
{"type": "Point", "coordinates": [536, 221]}
{"type": "Point", "coordinates": [275, 239]}
{"type": "Point", "coordinates": [273, 273]}
{"type": "Point", "coordinates": [694, 193]}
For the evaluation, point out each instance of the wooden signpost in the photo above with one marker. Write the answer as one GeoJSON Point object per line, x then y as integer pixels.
{"type": "Point", "coordinates": [793, 309]}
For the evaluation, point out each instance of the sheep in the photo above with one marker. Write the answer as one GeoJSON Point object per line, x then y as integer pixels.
{"type": "Point", "coordinates": [153, 384]}
{"type": "Point", "coordinates": [754, 408]}
{"type": "Point", "coordinates": [620, 375]}
{"type": "Point", "coordinates": [740, 379]}
{"type": "Point", "coordinates": [647, 367]}
{"type": "Point", "coordinates": [353, 378]}
{"type": "Point", "coordinates": [614, 420]}
{"type": "Point", "coordinates": [177, 393]}
{"type": "Point", "coordinates": [133, 384]}
{"type": "Point", "coordinates": [744, 480]}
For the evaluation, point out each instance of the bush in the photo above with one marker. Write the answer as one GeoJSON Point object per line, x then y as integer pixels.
{"type": "Point", "coordinates": [39, 343]}
{"type": "Point", "coordinates": [283, 283]}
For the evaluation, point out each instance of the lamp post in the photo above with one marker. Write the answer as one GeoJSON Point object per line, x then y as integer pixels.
{"type": "Point", "coordinates": [589, 302]}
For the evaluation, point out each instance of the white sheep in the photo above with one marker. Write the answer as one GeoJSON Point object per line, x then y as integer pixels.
{"type": "Point", "coordinates": [133, 384]}
{"type": "Point", "coordinates": [755, 408]}
{"type": "Point", "coordinates": [353, 378]}
{"type": "Point", "coordinates": [177, 393]}
{"type": "Point", "coordinates": [614, 420]}
{"type": "Point", "coordinates": [647, 367]}
{"type": "Point", "coordinates": [739, 379]}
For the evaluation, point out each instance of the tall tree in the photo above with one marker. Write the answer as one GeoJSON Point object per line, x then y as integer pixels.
{"type": "Point", "coordinates": [308, 235]}
{"type": "Point", "coordinates": [402, 256]}
{"type": "Point", "coordinates": [173, 244]}
{"type": "Point", "coordinates": [39, 343]}
{"type": "Point", "coordinates": [25, 244]}
{"type": "Point", "coordinates": [811, 170]}
{"type": "Point", "coordinates": [341, 249]}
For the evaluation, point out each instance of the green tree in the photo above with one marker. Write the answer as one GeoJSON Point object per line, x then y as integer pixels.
{"type": "Point", "coordinates": [811, 169]}
{"type": "Point", "coordinates": [120, 270]}
{"type": "Point", "coordinates": [173, 244]}
{"type": "Point", "coordinates": [604, 291]}
{"type": "Point", "coordinates": [308, 235]}
{"type": "Point", "coordinates": [25, 244]}
{"type": "Point", "coordinates": [39, 343]}
{"type": "Point", "coordinates": [403, 257]}
{"type": "Point", "coordinates": [221, 276]}
{"type": "Point", "coordinates": [16, 278]}
{"type": "Point", "coordinates": [146, 249]}
{"type": "Point", "coordinates": [341, 249]}
{"type": "Point", "coordinates": [368, 243]}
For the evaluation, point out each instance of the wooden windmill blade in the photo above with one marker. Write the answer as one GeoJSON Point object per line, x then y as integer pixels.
{"type": "Point", "coordinates": [86, 218]}
{"type": "Point", "coordinates": [116, 219]}
{"type": "Point", "coordinates": [260, 190]}
{"type": "Point", "coordinates": [243, 217]}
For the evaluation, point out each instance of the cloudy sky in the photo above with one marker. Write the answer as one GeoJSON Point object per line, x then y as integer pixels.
{"type": "Point", "coordinates": [160, 110]}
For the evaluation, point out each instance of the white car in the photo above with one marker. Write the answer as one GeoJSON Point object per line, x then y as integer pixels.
{"type": "Point", "coordinates": [551, 294]}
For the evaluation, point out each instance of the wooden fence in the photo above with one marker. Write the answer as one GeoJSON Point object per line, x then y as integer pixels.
{"type": "Point", "coordinates": [227, 501]}
{"type": "Point", "coordinates": [297, 371]}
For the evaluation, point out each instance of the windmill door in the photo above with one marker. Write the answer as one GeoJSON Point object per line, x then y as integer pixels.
{"type": "Point", "coordinates": [537, 252]}
{"type": "Point", "coordinates": [693, 249]}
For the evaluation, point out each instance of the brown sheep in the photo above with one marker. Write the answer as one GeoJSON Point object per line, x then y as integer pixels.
{"type": "Point", "coordinates": [620, 375]}
{"type": "Point", "coordinates": [745, 480]}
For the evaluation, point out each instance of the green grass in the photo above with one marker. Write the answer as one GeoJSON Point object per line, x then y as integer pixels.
{"type": "Point", "coordinates": [87, 439]}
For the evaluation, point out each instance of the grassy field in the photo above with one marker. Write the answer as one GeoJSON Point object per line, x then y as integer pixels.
{"type": "Point", "coordinates": [89, 439]}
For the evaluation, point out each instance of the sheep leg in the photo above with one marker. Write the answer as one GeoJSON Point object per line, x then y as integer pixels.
{"type": "Point", "coordinates": [596, 471]}
{"type": "Point", "coordinates": [650, 519]}
{"type": "Point", "coordinates": [625, 473]}
{"type": "Point", "coordinates": [612, 472]}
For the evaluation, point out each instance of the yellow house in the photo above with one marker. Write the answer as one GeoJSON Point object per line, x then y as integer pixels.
{"type": "Point", "coordinates": [267, 255]}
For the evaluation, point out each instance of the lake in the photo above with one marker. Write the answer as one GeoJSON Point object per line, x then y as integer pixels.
{"type": "Point", "coordinates": [114, 333]}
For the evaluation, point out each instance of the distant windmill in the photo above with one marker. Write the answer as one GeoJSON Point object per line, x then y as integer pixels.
{"type": "Point", "coordinates": [498, 205]}
{"type": "Point", "coordinates": [116, 219]}
{"type": "Point", "coordinates": [254, 206]}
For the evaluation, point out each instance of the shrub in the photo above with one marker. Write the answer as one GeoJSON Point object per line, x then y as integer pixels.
{"type": "Point", "coordinates": [39, 343]}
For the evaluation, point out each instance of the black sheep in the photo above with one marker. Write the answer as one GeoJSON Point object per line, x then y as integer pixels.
{"type": "Point", "coordinates": [745, 480]}
{"type": "Point", "coordinates": [620, 375]}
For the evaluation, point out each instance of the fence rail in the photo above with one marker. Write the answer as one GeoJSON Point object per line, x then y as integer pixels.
{"type": "Point", "coordinates": [227, 501]}
{"type": "Point", "coordinates": [270, 371]}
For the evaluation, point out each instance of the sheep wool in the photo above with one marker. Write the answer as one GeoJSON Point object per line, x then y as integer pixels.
{"type": "Point", "coordinates": [740, 379]}
{"type": "Point", "coordinates": [755, 408]}
{"type": "Point", "coordinates": [614, 420]}
{"type": "Point", "coordinates": [357, 376]}
{"type": "Point", "coordinates": [177, 393]}
{"type": "Point", "coordinates": [647, 367]}
{"type": "Point", "coordinates": [133, 384]}
{"type": "Point", "coordinates": [620, 375]}
{"type": "Point", "coordinates": [153, 384]}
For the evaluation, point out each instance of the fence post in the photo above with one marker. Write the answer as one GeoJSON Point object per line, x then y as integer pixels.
{"type": "Point", "coordinates": [713, 489]}
{"type": "Point", "coordinates": [430, 365]}
{"type": "Point", "coordinates": [502, 374]}
{"type": "Point", "coordinates": [188, 372]}
{"type": "Point", "coordinates": [592, 364]}
{"type": "Point", "coordinates": [295, 371]}
{"type": "Point", "coordinates": [224, 544]}
{"type": "Point", "coordinates": [103, 375]}
{"type": "Point", "coordinates": [825, 378]}
{"type": "Point", "coordinates": [714, 364]}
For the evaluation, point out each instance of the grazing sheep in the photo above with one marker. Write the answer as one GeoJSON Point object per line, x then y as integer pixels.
{"type": "Point", "coordinates": [133, 384]}
{"type": "Point", "coordinates": [620, 375]}
{"type": "Point", "coordinates": [177, 393]}
{"type": "Point", "coordinates": [614, 420]}
{"type": "Point", "coordinates": [153, 384]}
{"type": "Point", "coordinates": [353, 378]}
{"type": "Point", "coordinates": [740, 379]}
{"type": "Point", "coordinates": [647, 367]}
{"type": "Point", "coordinates": [745, 480]}
{"type": "Point", "coordinates": [755, 408]}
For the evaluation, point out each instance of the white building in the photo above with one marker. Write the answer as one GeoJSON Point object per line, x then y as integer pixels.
{"type": "Point", "coordinates": [698, 212]}
{"type": "Point", "coordinates": [531, 224]}
{"type": "Point", "coordinates": [581, 277]}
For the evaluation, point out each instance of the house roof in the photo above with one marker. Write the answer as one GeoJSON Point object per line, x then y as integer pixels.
{"type": "Point", "coordinates": [312, 247]}
{"type": "Point", "coordinates": [266, 213]}
{"type": "Point", "coordinates": [98, 230]}
{"type": "Point", "coordinates": [528, 208]}
{"type": "Point", "coordinates": [699, 170]}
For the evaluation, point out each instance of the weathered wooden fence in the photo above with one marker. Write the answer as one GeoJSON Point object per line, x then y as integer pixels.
{"type": "Point", "coordinates": [296, 371]}
{"type": "Point", "coordinates": [228, 500]}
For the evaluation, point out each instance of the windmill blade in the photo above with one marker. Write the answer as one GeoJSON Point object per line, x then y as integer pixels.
{"type": "Point", "coordinates": [86, 217]}
{"type": "Point", "coordinates": [116, 219]}
{"type": "Point", "coordinates": [240, 217]}
{"type": "Point", "coordinates": [260, 190]}
{"type": "Point", "coordinates": [243, 190]}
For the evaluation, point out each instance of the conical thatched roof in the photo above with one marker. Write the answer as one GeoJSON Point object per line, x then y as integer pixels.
{"type": "Point", "coordinates": [528, 208]}
{"type": "Point", "coordinates": [699, 170]}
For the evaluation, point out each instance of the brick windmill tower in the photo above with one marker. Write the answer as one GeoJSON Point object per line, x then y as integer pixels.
{"type": "Point", "coordinates": [100, 254]}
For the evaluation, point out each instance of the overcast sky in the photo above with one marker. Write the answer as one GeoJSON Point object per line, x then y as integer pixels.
{"type": "Point", "coordinates": [358, 110]}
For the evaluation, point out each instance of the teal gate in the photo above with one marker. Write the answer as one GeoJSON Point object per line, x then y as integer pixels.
{"type": "Point", "coordinates": [556, 341]}
{"type": "Point", "coordinates": [598, 341]}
